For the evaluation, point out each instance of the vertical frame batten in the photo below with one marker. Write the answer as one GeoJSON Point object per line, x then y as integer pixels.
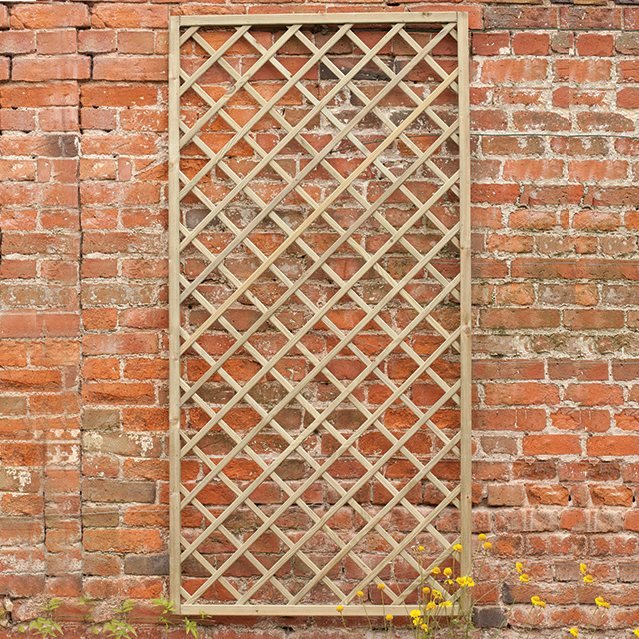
{"type": "Point", "coordinates": [174, 315]}
{"type": "Point", "coordinates": [466, 299]}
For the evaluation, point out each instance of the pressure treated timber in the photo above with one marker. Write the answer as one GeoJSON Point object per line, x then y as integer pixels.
{"type": "Point", "coordinates": [319, 242]}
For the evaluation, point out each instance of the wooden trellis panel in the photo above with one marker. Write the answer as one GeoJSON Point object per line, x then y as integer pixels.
{"type": "Point", "coordinates": [319, 310]}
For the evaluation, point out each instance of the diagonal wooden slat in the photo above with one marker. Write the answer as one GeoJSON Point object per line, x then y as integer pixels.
{"type": "Point", "coordinates": [324, 575]}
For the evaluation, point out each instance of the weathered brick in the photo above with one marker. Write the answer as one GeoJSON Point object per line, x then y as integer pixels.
{"type": "Point", "coordinates": [126, 540]}
{"type": "Point", "coordinates": [68, 67]}
{"type": "Point", "coordinates": [116, 490]}
{"type": "Point", "coordinates": [50, 16]}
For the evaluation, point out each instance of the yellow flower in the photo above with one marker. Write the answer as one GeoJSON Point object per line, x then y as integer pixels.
{"type": "Point", "coordinates": [420, 548]}
{"type": "Point", "coordinates": [436, 594]}
{"type": "Point", "coordinates": [381, 586]}
{"type": "Point", "coordinates": [588, 579]}
{"type": "Point", "coordinates": [574, 631]}
{"type": "Point", "coordinates": [415, 613]}
{"type": "Point", "coordinates": [446, 604]}
{"type": "Point", "coordinates": [583, 569]}
{"type": "Point", "coordinates": [524, 578]}
{"type": "Point", "coordinates": [430, 605]}
{"type": "Point", "coordinates": [417, 621]}
{"type": "Point", "coordinates": [389, 617]}
{"type": "Point", "coordinates": [536, 600]}
{"type": "Point", "coordinates": [482, 537]}
{"type": "Point", "coordinates": [339, 608]}
{"type": "Point", "coordinates": [436, 570]}
{"type": "Point", "coordinates": [457, 547]}
{"type": "Point", "coordinates": [601, 602]}
{"type": "Point", "coordinates": [424, 627]}
{"type": "Point", "coordinates": [448, 571]}
{"type": "Point", "coordinates": [425, 590]}
{"type": "Point", "coordinates": [487, 545]}
{"type": "Point", "coordinates": [635, 632]}
{"type": "Point", "coordinates": [519, 567]}
{"type": "Point", "coordinates": [465, 582]}
{"type": "Point", "coordinates": [360, 593]}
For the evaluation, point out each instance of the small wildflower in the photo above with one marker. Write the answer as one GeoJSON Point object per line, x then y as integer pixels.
{"type": "Point", "coordinates": [482, 537]}
{"type": "Point", "coordinates": [417, 621]}
{"type": "Point", "coordinates": [424, 627]}
{"type": "Point", "coordinates": [583, 569]}
{"type": "Point", "coordinates": [339, 608]}
{"type": "Point", "coordinates": [524, 578]}
{"type": "Point", "coordinates": [465, 582]}
{"type": "Point", "coordinates": [446, 604]}
{"type": "Point", "coordinates": [574, 631]}
{"type": "Point", "coordinates": [536, 600]}
{"type": "Point", "coordinates": [519, 567]}
{"type": "Point", "coordinates": [436, 570]}
{"type": "Point", "coordinates": [360, 594]}
{"type": "Point", "coordinates": [457, 547]}
{"type": "Point", "coordinates": [436, 594]}
{"type": "Point", "coordinates": [389, 617]}
{"type": "Point", "coordinates": [588, 579]}
{"type": "Point", "coordinates": [425, 590]}
{"type": "Point", "coordinates": [448, 571]}
{"type": "Point", "coordinates": [420, 549]}
{"type": "Point", "coordinates": [415, 613]}
{"type": "Point", "coordinates": [635, 632]}
{"type": "Point", "coordinates": [601, 602]}
{"type": "Point", "coordinates": [381, 586]}
{"type": "Point", "coordinates": [487, 545]}
{"type": "Point", "coordinates": [430, 605]}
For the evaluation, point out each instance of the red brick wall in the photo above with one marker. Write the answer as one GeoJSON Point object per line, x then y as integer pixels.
{"type": "Point", "coordinates": [83, 448]}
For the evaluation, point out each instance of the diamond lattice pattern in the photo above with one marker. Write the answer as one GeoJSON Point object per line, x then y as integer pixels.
{"type": "Point", "coordinates": [319, 289]}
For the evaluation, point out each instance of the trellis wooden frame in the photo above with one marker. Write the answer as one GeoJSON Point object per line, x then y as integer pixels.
{"type": "Point", "coordinates": [184, 27]}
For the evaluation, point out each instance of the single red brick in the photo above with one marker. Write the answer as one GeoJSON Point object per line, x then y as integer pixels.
{"type": "Point", "coordinates": [94, 41]}
{"type": "Point", "coordinates": [141, 68]}
{"type": "Point", "coordinates": [531, 43]}
{"type": "Point", "coordinates": [552, 445]}
{"type": "Point", "coordinates": [119, 393]}
{"type": "Point", "coordinates": [611, 495]}
{"type": "Point", "coordinates": [17, 42]}
{"type": "Point", "coordinates": [628, 98]}
{"type": "Point", "coordinates": [506, 494]}
{"type": "Point", "coordinates": [521, 394]}
{"type": "Point", "coordinates": [592, 394]}
{"type": "Point", "coordinates": [130, 16]}
{"type": "Point", "coordinates": [59, 41]}
{"type": "Point", "coordinates": [59, 119]}
{"type": "Point", "coordinates": [548, 495]}
{"type": "Point", "coordinates": [49, 94]}
{"type": "Point", "coordinates": [613, 445]}
{"type": "Point", "coordinates": [136, 42]}
{"type": "Point", "coordinates": [519, 318]}
{"type": "Point", "coordinates": [68, 67]}
{"type": "Point", "coordinates": [593, 319]}
{"type": "Point", "coordinates": [510, 70]}
{"type": "Point", "coordinates": [584, 17]}
{"type": "Point", "coordinates": [491, 43]}
{"type": "Point", "coordinates": [582, 370]}
{"type": "Point", "coordinates": [49, 16]}
{"type": "Point", "coordinates": [595, 44]}
{"type": "Point", "coordinates": [122, 540]}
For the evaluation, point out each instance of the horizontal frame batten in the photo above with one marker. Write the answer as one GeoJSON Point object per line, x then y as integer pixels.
{"type": "Point", "coordinates": [310, 611]}
{"type": "Point", "coordinates": [238, 20]}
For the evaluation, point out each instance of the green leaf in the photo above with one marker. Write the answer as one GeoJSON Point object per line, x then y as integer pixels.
{"type": "Point", "coordinates": [191, 628]}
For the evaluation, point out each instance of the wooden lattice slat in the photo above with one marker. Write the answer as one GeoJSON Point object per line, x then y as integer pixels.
{"type": "Point", "coordinates": [272, 243]}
